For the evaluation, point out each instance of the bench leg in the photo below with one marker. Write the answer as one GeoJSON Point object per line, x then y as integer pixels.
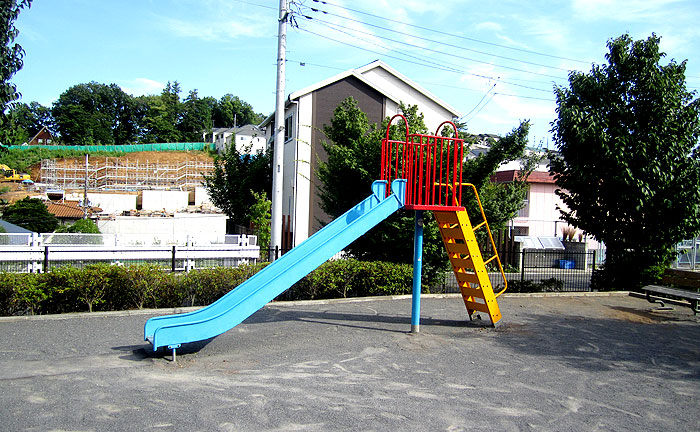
{"type": "Point", "coordinates": [663, 307]}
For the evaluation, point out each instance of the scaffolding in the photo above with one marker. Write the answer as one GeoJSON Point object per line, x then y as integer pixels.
{"type": "Point", "coordinates": [124, 175]}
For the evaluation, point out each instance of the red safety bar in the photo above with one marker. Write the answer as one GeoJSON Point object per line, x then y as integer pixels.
{"type": "Point", "coordinates": [431, 165]}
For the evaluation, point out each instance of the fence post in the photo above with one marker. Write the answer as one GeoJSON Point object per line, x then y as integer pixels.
{"type": "Point", "coordinates": [46, 259]}
{"type": "Point", "coordinates": [522, 265]}
{"type": "Point", "coordinates": [594, 260]}
{"type": "Point", "coordinates": [172, 261]}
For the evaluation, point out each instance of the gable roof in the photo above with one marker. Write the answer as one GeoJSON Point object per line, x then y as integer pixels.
{"type": "Point", "coordinates": [360, 72]}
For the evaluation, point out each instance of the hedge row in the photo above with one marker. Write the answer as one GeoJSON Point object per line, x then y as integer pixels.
{"type": "Point", "coordinates": [103, 287]}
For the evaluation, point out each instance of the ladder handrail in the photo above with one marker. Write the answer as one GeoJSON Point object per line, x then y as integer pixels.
{"type": "Point", "coordinates": [488, 230]}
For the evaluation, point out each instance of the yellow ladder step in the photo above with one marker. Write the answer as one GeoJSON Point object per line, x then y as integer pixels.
{"type": "Point", "coordinates": [455, 233]}
{"type": "Point", "coordinates": [466, 277]}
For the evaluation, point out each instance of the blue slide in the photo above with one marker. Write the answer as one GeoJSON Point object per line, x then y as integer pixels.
{"type": "Point", "coordinates": [240, 303]}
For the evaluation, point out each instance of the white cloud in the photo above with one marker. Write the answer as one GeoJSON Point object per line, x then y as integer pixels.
{"type": "Point", "coordinates": [624, 10]}
{"type": "Point", "coordinates": [141, 87]}
{"type": "Point", "coordinates": [489, 26]}
{"type": "Point", "coordinates": [215, 31]}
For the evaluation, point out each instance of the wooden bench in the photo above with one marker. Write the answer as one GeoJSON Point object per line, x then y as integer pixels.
{"type": "Point", "coordinates": [679, 279]}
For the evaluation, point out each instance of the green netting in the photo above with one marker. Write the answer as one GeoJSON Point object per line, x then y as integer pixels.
{"type": "Point", "coordinates": [126, 148]}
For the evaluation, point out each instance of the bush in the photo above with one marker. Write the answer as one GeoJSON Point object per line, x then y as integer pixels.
{"type": "Point", "coordinates": [354, 278]}
{"type": "Point", "coordinates": [110, 287]}
{"type": "Point", "coordinates": [528, 286]}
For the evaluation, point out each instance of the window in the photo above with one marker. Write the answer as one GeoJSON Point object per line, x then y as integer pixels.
{"type": "Point", "coordinates": [525, 211]}
{"type": "Point", "coordinates": [288, 128]}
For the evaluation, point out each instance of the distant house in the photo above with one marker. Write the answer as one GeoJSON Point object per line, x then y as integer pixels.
{"type": "Point", "coordinates": [67, 212]}
{"type": "Point", "coordinates": [378, 90]}
{"type": "Point", "coordinates": [247, 136]}
{"type": "Point", "coordinates": [43, 137]}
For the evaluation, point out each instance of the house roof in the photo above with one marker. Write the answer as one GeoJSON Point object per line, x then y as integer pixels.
{"type": "Point", "coordinates": [512, 175]}
{"type": "Point", "coordinates": [359, 73]}
{"type": "Point", "coordinates": [13, 229]}
{"type": "Point", "coordinates": [68, 209]}
{"type": "Point", "coordinates": [43, 129]}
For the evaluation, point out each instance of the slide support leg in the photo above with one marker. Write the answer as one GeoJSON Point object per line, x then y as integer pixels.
{"type": "Point", "coordinates": [417, 271]}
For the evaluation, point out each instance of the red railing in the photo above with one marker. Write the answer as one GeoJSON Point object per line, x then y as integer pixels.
{"type": "Point", "coordinates": [431, 165]}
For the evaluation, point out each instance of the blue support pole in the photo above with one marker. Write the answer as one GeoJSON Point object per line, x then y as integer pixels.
{"type": "Point", "coordinates": [417, 271]}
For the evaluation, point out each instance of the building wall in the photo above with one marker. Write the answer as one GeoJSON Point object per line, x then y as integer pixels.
{"type": "Point", "coordinates": [198, 228]}
{"type": "Point", "coordinates": [543, 218]}
{"type": "Point", "coordinates": [170, 201]}
{"type": "Point", "coordinates": [325, 101]}
{"type": "Point", "coordinates": [112, 203]}
{"type": "Point", "coordinates": [433, 113]}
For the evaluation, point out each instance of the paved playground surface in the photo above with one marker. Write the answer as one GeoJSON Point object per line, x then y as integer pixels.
{"type": "Point", "coordinates": [556, 363]}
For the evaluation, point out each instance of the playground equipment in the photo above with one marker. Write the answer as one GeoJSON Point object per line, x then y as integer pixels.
{"type": "Point", "coordinates": [432, 167]}
{"type": "Point", "coordinates": [424, 173]}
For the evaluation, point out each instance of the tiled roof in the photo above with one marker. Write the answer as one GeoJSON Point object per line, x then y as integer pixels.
{"type": "Point", "coordinates": [68, 209]}
{"type": "Point", "coordinates": [512, 175]}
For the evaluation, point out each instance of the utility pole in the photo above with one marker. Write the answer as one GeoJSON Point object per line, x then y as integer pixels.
{"type": "Point", "coordinates": [278, 161]}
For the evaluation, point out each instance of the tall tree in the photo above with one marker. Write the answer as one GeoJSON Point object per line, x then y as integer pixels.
{"type": "Point", "coordinates": [95, 113]}
{"type": "Point", "coordinates": [627, 136]}
{"type": "Point", "coordinates": [163, 115]}
{"type": "Point", "coordinates": [11, 56]}
{"type": "Point", "coordinates": [231, 111]}
{"type": "Point", "coordinates": [235, 176]}
{"type": "Point", "coordinates": [195, 119]}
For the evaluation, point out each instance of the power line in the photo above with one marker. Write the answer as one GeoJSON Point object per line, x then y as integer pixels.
{"type": "Point", "coordinates": [332, 25]}
{"type": "Point", "coordinates": [450, 34]}
{"type": "Point", "coordinates": [422, 63]}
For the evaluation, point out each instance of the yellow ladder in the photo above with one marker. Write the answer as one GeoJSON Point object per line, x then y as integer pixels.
{"type": "Point", "coordinates": [467, 262]}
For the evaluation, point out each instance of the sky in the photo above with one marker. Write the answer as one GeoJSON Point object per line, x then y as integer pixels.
{"type": "Point", "coordinates": [496, 62]}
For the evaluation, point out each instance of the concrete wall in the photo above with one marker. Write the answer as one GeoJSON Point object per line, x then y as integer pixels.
{"type": "Point", "coordinates": [170, 201]}
{"type": "Point", "coordinates": [113, 203]}
{"type": "Point", "coordinates": [199, 228]}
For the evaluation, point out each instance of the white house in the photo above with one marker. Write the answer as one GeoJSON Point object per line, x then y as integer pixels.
{"type": "Point", "coordinates": [245, 136]}
{"type": "Point", "coordinates": [378, 90]}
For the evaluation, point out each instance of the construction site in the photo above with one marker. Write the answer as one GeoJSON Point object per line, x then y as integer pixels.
{"type": "Point", "coordinates": [138, 171]}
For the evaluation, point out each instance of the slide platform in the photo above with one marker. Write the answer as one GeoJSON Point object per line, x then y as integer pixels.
{"type": "Point", "coordinates": [230, 310]}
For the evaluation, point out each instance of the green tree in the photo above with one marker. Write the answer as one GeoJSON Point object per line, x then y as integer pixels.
{"type": "Point", "coordinates": [231, 111]}
{"type": "Point", "coordinates": [24, 121]}
{"type": "Point", "coordinates": [94, 113]}
{"type": "Point", "coordinates": [235, 172]}
{"type": "Point", "coordinates": [195, 119]}
{"type": "Point", "coordinates": [31, 213]}
{"type": "Point", "coordinates": [627, 162]}
{"type": "Point", "coordinates": [163, 115]}
{"type": "Point", "coordinates": [83, 226]}
{"type": "Point", "coordinates": [11, 57]}
{"type": "Point", "coordinates": [260, 219]}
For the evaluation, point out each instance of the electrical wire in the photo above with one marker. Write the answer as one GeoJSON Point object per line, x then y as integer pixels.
{"type": "Point", "coordinates": [449, 34]}
{"type": "Point", "coordinates": [333, 25]}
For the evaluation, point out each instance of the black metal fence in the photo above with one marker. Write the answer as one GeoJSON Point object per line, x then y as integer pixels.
{"type": "Point", "coordinates": [553, 270]}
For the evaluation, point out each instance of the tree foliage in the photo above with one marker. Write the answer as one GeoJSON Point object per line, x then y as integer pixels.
{"type": "Point", "coordinates": [11, 56]}
{"type": "Point", "coordinates": [627, 135]}
{"type": "Point", "coordinates": [354, 158]}
{"type": "Point", "coordinates": [31, 213]}
{"type": "Point", "coordinates": [231, 111]}
{"type": "Point", "coordinates": [235, 175]}
{"type": "Point", "coordinates": [93, 113]}
{"type": "Point", "coordinates": [83, 226]}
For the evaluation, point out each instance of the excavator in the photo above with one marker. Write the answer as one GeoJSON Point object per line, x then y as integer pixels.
{"type": "Point", "coordinates": [10, 175]}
